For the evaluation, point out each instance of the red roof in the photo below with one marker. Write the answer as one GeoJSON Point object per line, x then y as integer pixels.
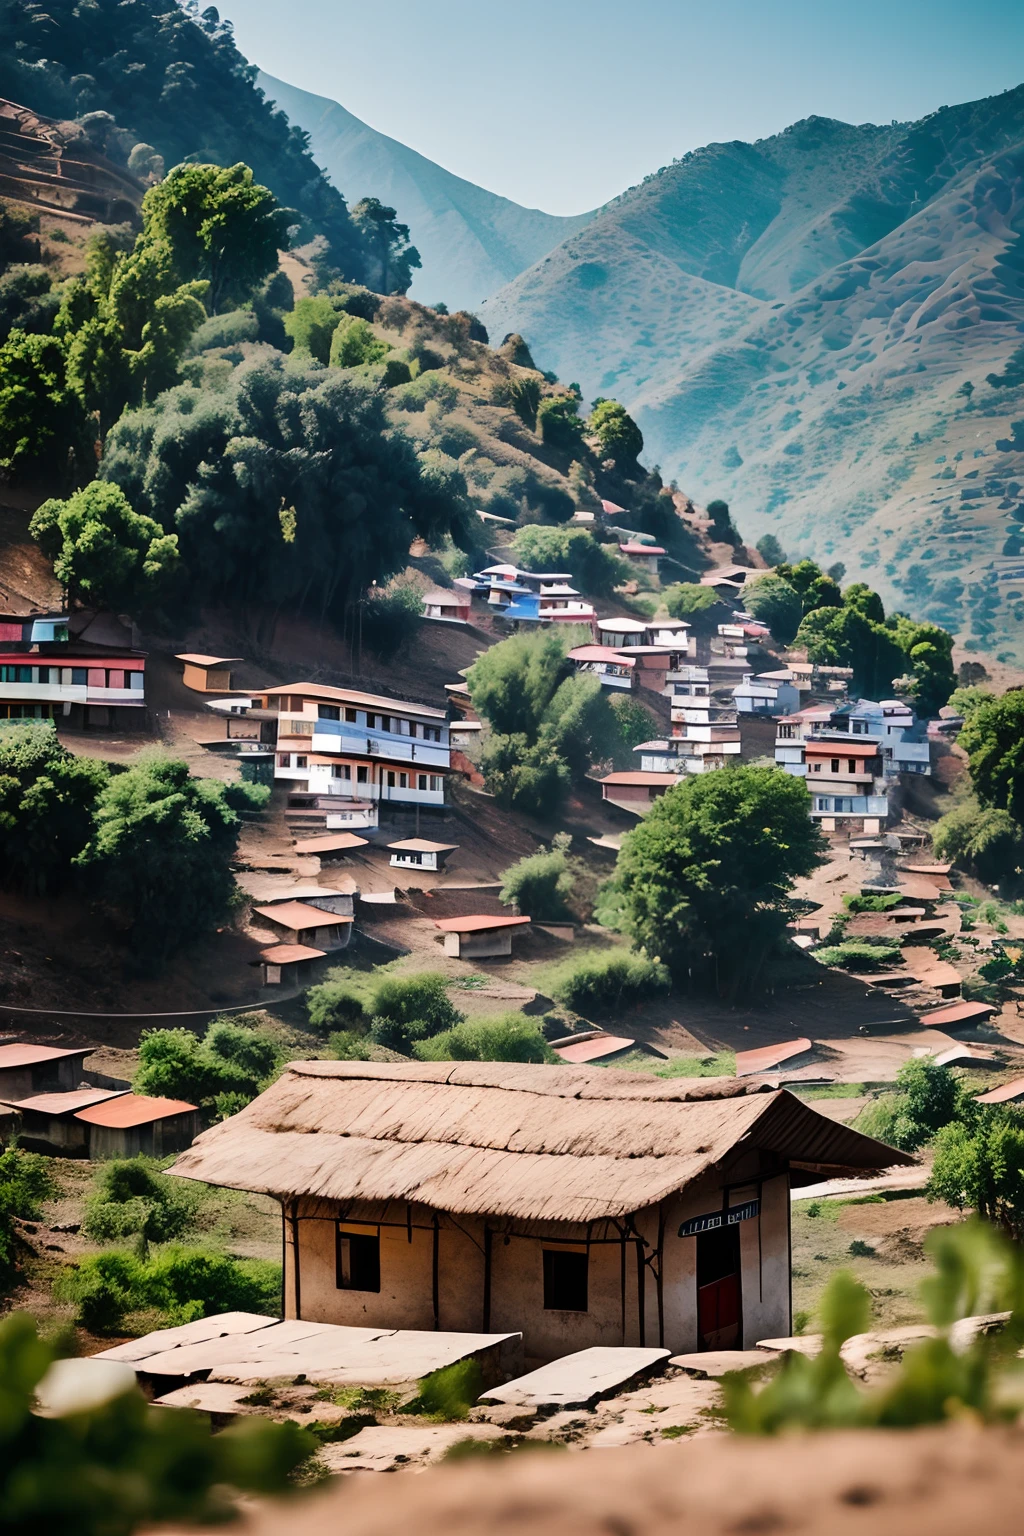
{"type": "Point", "coordinates": [633, 548]}
{"type": "Point", "coordinates": [478, 924]}
{"type": "Point", "coordinates": [34, 1055]}
{"type": "Point", "coordinates": [70, 1102]}
{"type": "Point", "coordinates": [768, 1056]}
{"type": "Point", "coordinates": [1006, 1094]}
{"type": "Point", "coordinates": [594, 1049]}
{"type": "Point", "coordinates": [133, 1109]}
{"type": "Point", "coordinates": [297, 915]}
{"type": "Point", "coordinates": [330, 842]}
{"type": "Point", "coordinates": [958, 1013]}
{"type": "Point", "coordinates": [288, 954]}
{"type": "Point", "coordinates": [841, 749]}
{"type": "Point", "coordinates": [601, 653]}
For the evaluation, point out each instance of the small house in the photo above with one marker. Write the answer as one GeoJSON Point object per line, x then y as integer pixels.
{"type": "Point", "coordinates": [479, 938]}
{"type": "Point", "coordinates": [207, 674]}
{"type": "Point", "coordinates": [644, 556]}
{"type": "Point", "coordinates": [420, 853]}
{"type": "Point", "coordinates": [285, 965]}
{"type": "Point", "coordinates": [50, 1123]}
{"type": "Point", "coordinates": [134, 1125]}
{"type": "Point", "coordinates": [29, 1069]}
{"type": "Point", "coordinates": [613, 669]}
{"type": "Point", "coordinates": [300, 923]}
{"type": "Point", "coordinates": [451, 604]}
{"type": "Point", "coordinates": [635, 790]}
{"type": "Point", "coordinates": [580, 1206]}
{"type": "Point", "coordinates": [621, 634]}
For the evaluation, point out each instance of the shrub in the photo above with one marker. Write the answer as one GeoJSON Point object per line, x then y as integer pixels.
{"type": "Point", "coordinates": [512, 1038]}
{"type": "Point", "coordinates": [354, 343]}
{"type": "Point", "coordinates": [613, 980]}
{"type": "Point", "coordinates": [334, 1005]}
{"type": "Point", "coordinates": [181, 1283]}
{"type": "Point", "coordinates": [391, 618]}
{"type": "Point", "coordinates": [699, 605]}
{"type": "Point", "coordinates": [409, 1008]}
{"type": "Point", "coordinates": [132, 1198]}
{"type": "Point", "coordinates": [854, 955]}
{"type": "Point", "coordinates": [540, 885]}
{"type": "Point", "coordinates": [347, 1045]}
{"type": "Point", "coordinates": [871, 903]}
{"type": "Point", "coordinates": [25, 1181]}
{"type": "Point", "coordinates": [230, 1059]}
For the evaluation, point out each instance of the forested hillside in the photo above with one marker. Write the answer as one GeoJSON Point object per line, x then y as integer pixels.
{"type": "Point", "coordinates": [171, 83]}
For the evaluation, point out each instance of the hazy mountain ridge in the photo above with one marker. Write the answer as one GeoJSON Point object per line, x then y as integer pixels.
{"type": "Point", "coordinates": [792, 322]}
{"type": "Point", "coordinates": [471, 241]}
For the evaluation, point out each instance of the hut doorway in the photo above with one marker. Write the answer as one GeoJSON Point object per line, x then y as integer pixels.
{"type": "Point", "coordinates": [718, 1288]}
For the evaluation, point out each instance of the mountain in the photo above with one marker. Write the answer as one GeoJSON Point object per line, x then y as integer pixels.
{"type": "Point", "coordinates": [471, 241]}
{"type": "Point", "coordinates": [793, 323]}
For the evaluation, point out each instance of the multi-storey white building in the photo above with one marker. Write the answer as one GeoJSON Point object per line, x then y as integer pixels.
{"type": "Point", "coordinates": [45, 675]}
{"type": "Point", "coordinates": [358, 747]}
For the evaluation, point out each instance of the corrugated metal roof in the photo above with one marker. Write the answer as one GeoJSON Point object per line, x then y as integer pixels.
{"type": "Point", "coordinates": [422, 845]}
{"type": "Point", "coordinates": [134, 1109]}
{"type": "Point", "coordinates": [330, 842]}
{"type": "Point", "coordinates": [478, 923]}
{"type": "Point", "coordinates": [208, 661]}
{"type": "Point", "coordinates": [957, 1013]}
{"type": "Point", "coordinates": [595, 1049]}
{"type": "Point", "coordinates": [69, 1103]}
{"type": "Point", "coordinates": [500, 1138]}
{"type": "Point", "coordinates": [289, 954]}
{"type": "Point", "coordinates": [35, 1055]}
{"type": "Point", "coordinates": [768, 1056]}
{"type": "Point", "coordinates": [1008, 1093]}
{"type": "Point", "coordinates": [297, 915]}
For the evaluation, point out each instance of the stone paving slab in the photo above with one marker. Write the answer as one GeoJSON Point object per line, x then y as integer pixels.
{"type": "Point", "coordinates": [580, 1379]}
{"type": "Point", "coordinates": [201, 1331]}
{"type": "Point", "coordinates": [385, 1448]}
{"type": "Point", "coordinates": [714, 1363]}
{"type": "Point", "coordinates": [800, 1343]}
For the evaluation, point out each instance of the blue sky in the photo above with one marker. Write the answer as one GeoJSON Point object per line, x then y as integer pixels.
{"type": "Point", "coordinates": [561, 106]}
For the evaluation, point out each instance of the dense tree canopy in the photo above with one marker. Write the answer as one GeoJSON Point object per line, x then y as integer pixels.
{"type": "Point", "coordinates": [284, 486]}
{"type": "Point", "coordinates": [220, 226]}
{"type": "Point", "coordinates": [595, 567]}
{"type": "Point", "coordinates": [559, 422]}
{"type": "Point", "coordinates": [47, 799]}
{"type": "Point", "coordinates": [391, 258]}
{"type": "Point", "coordinates": [41, 416]}
{"type": "Point", "coordinates": [993, 739]}
{"type": "Point", "coordinates": [618, 436]}
{"type": "Point", "coordinates": [706, 877]}
{"type": "Point", "coordinates": [700, 606]}
{"type": "Point", "coordinates": [103, 552]}
{"type": "Point", "coordinates": [777, 604]}
{"type": "Point", "coordinates": [160, 855]}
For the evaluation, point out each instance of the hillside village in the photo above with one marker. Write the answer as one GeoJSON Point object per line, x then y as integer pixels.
{"type": "Point", "coordinates": [489, 955]}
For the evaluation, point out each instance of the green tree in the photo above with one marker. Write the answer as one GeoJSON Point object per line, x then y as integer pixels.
{"type": "Point", "coordinates": [230, 1059]}
{"type": "Point", "coordinates": [47, 801]}
{"type": "Point", "coordinates": [512, 1037]}
{"type": "Point", "coordinates": [132, 1199]}
{"type": "Point", "coordinates": [126, 324]}
{"type": "Point", "coordinates": [355, 344]}
{"type": "Point", "coordinates": [699, 606]}
{"type": "Point", "coordinates": [635, 722]}
{"type": "Point", "coordinates": [993, 739]}
{"type": "Point", "coordinates": [707, 875]}
{"type": "Point", "coordinates": [816, 588]}
{"type": "Point", "coordinates": [965, 700]}
{"type": "Point", "coordinates": [986, 842]}
{"type": "Point", "coordinates": [929, 653]}
{"type": "Point", "coordinates": [41, 416]}
{"type": "Point", "coordinates": [722, 523]}
{"type": "Point", "coordinates": [512, 684]}
{"type": "Point", "coordinates": [221, 228]}
{"type": "Point", "coordinates": [981, 1167]}
{"type": "Point", "coordinates": [855, 635]}
{"type": "Point", "coordinates": [160, 856]}
{"type": "Point", "coordinates": [619, 438]}
{"type": "Point", "coordinates": [596, 569]}
{"type": "Point", "coordinates": [770, 550]}
{"type": "Point", "coordinates": [558, 418]}
{"type": "Point", "coordinates": [311, 324]}
{"type": "Point", "coordinates": [524, 398]}
{"type": "Point", "coordinates": [103, 552]}
{"type": "Point", "coordinates": [776, 604]}
{"type": "Point", "coordinates": [391, 258]}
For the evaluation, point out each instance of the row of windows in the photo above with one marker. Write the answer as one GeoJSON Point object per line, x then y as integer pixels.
{"type": "Point", "coordinates": [73, 677]}
{"type": "Point", "coordinates": [851, 765]}
{"type": "Point", "coordinates": [392, 779]}
{"type": "Point", "coordinates": [392, 724]}
{"type": "Point", "coordinates": [27, 711]}
{"type": "Point", "coordinates": [565, 1270]}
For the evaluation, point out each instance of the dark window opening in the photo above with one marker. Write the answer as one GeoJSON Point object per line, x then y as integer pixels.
{"type": "Point", "coordinates": [328, 712]}
{"type": "Point", "coordinates": [565, 1280]}
{"type": "Point", "coordinates": [358, 1261]}
{"type": "Point", "coordinates": [718, 1288]}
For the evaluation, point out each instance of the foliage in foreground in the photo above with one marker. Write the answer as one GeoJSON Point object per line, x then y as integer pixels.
{"type": "Point", "coordinates": [110, 1468]}
{"type": "Point", "coordinates": [977, 1271]}
{"type": "Point", "coordinates": [617, 979]}
{"type": "Point", "coordinates": [706, 877]}
{"type": "Point", "coordinates": [180, 1284]}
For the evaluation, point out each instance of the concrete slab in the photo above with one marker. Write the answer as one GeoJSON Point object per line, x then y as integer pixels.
{"type": "Point", "coordinates": [713, 1363]}
{"type": "Point", "coordinates": [284, 1349]}
{"type": "Point", "coordinates": [383, 1448]}
{"type": "Point", "coordinates": [213, 1397]}
{"type": "Point", "coordinates": [800, 1343]}
{"type": "Point", "coordinates": [576, 1381]}
{"type": "Point", "coordinates": [204, 1329]}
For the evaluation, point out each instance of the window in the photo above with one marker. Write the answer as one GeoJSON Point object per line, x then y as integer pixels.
{"type": "Point", "coordinates": [137, 679]}
{"type": "Point", "coordinates": [851, 763]}
{"type": "Point", "coordinates": [302, 762]}
{"type": "Point", "coordinates": [358, 1259]}
{"type": "Point", "coordinates": [284, 760]}
{"type": "Point", "coordinates": [421, 781]}
{"type": "Point", "coordinates": [403, 781]}
{"type": "Point", "coordinates": [391, 780]}
{"type": "Point", "coordinates": [341, 771]}
{"type": "Point", "coordinates": [350, 716]}
{"type": "Point", "coordinates": [834, 764]}
{"type": "Point", "coordinates": [815, 767]}
{"type": "Point", "coordinates": [431, 733]}
{"type": "Point", "coordinates": [373, 722]}
{"type": "Point", "coordinates": [361, 775]}
{"type": "Point", "coordinates": [565, 1279]}
{"type": "Point", "coordinates": [328, 712]}
{"type": "Point", "coordinates": [79, 676]}
{"type": "Point", "coordinates": [436, 782]}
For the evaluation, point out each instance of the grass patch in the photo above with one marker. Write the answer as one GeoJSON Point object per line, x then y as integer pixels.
{"type": "Point", "coordinates": [448, 1394]}
{"type": "Point", "coordinates": [832, 1091]}
{"type": "Point", "coordinates": [721, 1064]}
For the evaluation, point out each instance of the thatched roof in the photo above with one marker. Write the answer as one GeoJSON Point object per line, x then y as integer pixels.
{"type": "Point", "coordinates": [487, 1138]}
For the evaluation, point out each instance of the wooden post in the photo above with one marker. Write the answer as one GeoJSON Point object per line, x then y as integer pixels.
{"type": "Point", "coordinates": [641, 1283]}
{"type": "Point", "coordinates": [435, 1277]}
{"type": "Point", "coordinates": [488, 1238]}
{"type": "Point", "coordinates": [296, 1274]}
